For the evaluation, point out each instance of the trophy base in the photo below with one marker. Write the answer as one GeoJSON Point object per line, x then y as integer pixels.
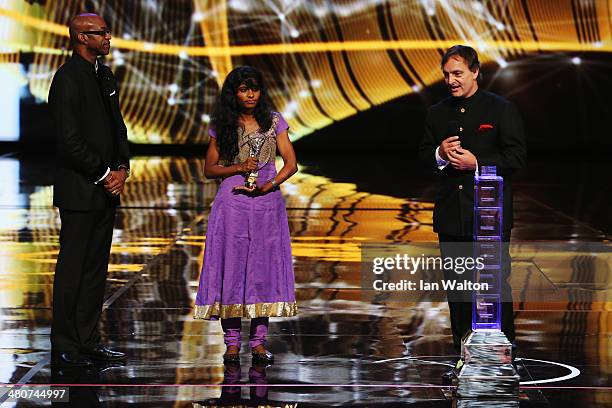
{"type": "Point", "coordinates": [488, 371]}
{"type": "Point", "coordinates": [486, 347]}
{"type": "Point", "coordinates": [488, 381]}
{"type": "Point", "coordinates": [251, 180]}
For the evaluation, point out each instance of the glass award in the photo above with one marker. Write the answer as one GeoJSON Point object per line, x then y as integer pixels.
{"type": "Point", "coordinates": [488, 229]}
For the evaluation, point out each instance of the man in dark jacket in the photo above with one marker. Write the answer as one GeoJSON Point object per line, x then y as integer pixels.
{"type": "Point", "coordinates": [470, 129]}
{"type": "Point", "coordinates": [93, 164]}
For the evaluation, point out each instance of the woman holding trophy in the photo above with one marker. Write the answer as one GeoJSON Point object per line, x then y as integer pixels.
{"type": "Point", "coordinates": [247, 270]}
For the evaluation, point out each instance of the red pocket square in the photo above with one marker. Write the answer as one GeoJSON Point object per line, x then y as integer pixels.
{"type": "Point", "coordinates": [485, 126]}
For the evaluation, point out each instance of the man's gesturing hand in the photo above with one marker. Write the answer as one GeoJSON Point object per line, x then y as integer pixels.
{"type": "Point", "coordinates": [462, 159]}
{"type": "Point", "coordinates": [448, 145]}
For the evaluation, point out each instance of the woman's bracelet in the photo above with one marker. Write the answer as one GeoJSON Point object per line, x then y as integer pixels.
{"type": "Point", "coordinates": [274, 184]}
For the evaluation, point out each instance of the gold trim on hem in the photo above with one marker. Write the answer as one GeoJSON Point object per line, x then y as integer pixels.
{"type": "Point", "coordinates": [275, 309]}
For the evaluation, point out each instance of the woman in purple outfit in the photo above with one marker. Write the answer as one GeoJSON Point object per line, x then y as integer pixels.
{"type": "Point", "coordinates": [248, 270]}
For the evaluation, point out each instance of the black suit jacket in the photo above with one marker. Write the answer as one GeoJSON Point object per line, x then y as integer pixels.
{"type": "Point", "coordinates": [90, 134]}
{"type": "Point", "coordinates": [493, 131]}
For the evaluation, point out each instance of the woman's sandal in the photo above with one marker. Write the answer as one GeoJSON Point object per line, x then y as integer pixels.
{"type": "Point", "coordinates": [232, 357]}
{"type": "Point", "coordinates": [262, 357]}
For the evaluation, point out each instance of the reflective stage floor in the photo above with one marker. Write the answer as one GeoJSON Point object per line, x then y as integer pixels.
{"type": "Point", "coordinates": [344, 348]}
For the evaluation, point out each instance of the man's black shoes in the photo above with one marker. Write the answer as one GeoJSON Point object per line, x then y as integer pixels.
{"type": "Point", "coordinates": [101, 353]}
{"type": "Point", "coordinates": [449, 376]}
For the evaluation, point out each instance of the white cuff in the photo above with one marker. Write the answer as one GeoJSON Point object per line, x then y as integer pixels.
{"type": "Point", "coordinates": [439, 160]}
{"type": "Point", "coordinates": [104, 176]}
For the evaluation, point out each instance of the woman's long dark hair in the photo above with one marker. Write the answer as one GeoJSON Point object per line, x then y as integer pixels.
{"type": "Point", "coordinates": [227, 110]}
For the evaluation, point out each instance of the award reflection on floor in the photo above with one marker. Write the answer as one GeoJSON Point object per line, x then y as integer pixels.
{"type": "Point", "coordinates": [231, 390]}
{"type": "Point", "coordinates": [76, 377]}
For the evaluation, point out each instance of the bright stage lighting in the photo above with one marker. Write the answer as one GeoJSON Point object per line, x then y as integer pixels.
{"type": "Point", "coordinates": [354, 54]}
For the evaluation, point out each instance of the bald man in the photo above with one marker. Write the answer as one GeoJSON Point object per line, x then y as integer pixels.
{"type": "Point", "coordinates": [93, 164]}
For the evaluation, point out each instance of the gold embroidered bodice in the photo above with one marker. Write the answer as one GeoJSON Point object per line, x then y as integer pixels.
{"type": "Point", "coordinates": [268, 148]}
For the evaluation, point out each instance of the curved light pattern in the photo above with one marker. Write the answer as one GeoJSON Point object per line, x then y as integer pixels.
{"type": "Point", "coordinates": [320, 210]}
{"type": "Point", "coordinates": [164, 195]}
{"type": "Point", "coordinates": [325, 60]}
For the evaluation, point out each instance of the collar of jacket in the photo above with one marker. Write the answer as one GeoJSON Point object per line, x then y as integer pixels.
{"type": "Point", "coordinates": [468, 102]}
{"type": "Point", "coordinates": [83, 63]}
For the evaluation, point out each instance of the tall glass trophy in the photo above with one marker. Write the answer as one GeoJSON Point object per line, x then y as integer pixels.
{"type": "Point", "coordinates": [486, 352]}
{"type": "Point", "coordinates": [255, 145]}
{"type": "Point", "coordinates": [488, 229]}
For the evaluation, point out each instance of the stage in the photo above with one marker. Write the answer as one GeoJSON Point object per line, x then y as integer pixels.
{"type": "Point", "coordinates": [341, 350]}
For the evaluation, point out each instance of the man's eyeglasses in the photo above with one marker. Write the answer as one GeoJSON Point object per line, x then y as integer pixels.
{"type": "Point", "coordinates": [100, 32]}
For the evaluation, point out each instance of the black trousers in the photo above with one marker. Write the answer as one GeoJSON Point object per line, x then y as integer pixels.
{"type": "Point", "coordinates": [80, 278]}
{"type": "Point", "coordinates": [461, 309]}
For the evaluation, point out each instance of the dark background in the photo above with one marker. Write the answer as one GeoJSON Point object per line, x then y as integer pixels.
{"type": "Point", "coordinates": [566, 109]}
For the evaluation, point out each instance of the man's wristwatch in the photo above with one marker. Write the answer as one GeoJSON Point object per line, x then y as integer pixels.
{"type": "Point", "coordinates": [126, 168]}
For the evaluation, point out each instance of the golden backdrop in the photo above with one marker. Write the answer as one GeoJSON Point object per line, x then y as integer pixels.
{"type": "Point", "coordinates": [325, 60]}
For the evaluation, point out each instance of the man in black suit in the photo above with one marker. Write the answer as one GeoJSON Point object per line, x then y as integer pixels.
{"type": "Point", "coordinates": [469, 129]}
{"type": "Point", "coordinates": [93, 164]}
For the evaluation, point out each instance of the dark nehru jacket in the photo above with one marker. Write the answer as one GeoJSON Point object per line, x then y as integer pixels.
{"type": "Point", "coordinates": [90, 133]}
{"type": "Point", "coordinates": [491, 128]}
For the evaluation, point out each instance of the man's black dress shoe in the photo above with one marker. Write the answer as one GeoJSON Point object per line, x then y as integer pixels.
{"type": "Point", "coordinates": [450, 375]}
{"type": "Point", "coordinates": [72, 359]}
{"type": "Point", "coordinates": [102, 353]}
